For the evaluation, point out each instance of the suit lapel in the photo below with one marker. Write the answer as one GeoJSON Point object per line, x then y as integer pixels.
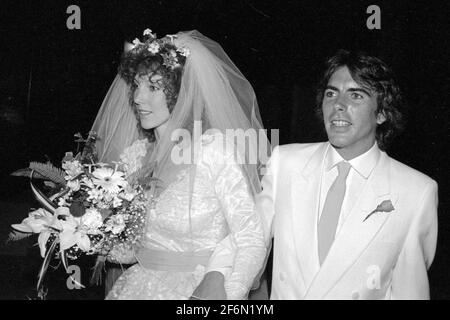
{"type": "Point", "coordinates": [355, 235]}
{"type": "Point", "coordinates": [305, 190]}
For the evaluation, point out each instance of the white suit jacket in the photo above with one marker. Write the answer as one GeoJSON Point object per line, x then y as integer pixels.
{"type": "Point", "coordinates": [384, 257]}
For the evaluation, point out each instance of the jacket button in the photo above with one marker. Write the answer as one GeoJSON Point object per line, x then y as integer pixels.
{"type": "Point", "coordinates": [355, 295]}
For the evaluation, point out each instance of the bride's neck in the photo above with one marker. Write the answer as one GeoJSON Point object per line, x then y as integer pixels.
{"type": "Point", "coordinates": [159, 131]}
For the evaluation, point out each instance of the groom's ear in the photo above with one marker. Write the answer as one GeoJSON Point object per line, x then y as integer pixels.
{"type": "Point", "coordinates": [381, 117]}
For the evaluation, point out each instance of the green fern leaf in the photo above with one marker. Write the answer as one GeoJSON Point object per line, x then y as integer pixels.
{"type": "Point", "coordinates": [17, 235]}
{"type": "Point", "coordinates": [26, 173]}
{"type": "Point", "coordinates": [49, 171]}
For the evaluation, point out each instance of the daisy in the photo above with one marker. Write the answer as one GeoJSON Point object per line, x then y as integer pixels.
{"type": "Point", "coordinates": [110, 180]}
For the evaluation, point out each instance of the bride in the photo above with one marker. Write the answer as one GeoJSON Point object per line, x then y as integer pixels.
{"type": "Point", "coordinates": [186, 95]}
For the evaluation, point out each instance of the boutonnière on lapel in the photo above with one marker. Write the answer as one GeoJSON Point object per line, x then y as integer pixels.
{"type": "Point", "coordinates": [385, 206]}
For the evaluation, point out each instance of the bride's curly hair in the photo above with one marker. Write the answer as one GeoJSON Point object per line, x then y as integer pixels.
{"type": "Point", "coordinates": [144, 63]}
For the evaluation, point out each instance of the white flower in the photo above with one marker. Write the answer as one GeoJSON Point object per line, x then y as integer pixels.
{"type": "Point", "coordinates": [95, 195]}
{"type": "Point", "coordinates": [117, 202]}
{"type": "Point", "coordinates": [173, 53]}
{"type": "Point", "coordinates": [136, 42]}
{"type": "Point", "coordinates": [74, 184]}
{"type": "Point", "coordinates": [87, 182]}
{"type": "Point", "coordinates": [147, 32]}
{"type": "Point", "coordinates": [36, 222]}
{"type": "Point", "coordinates": [116, 224]}
{"type": "Point", "coordinates": [154, 47]}
{"type": "Point", "coordinates": [43, 222]}
{"type": "Point", "coordinates": [128, 193]}
{"type": "Point", "coordinates": [92, 219]}
{"type": "Point", "coordinates": [72, 234]}
{"type": "Point", "coordinates": [62, 202]}
{"type": "Point", "coordinates": [109, 179]}
{"type": "Point", "coordinates": [185, 52]}
{"type": "Point", "coordinates": [72, 168]}
{"type": "Point", "coordinates": [103, 205]}
{"type": "Point", "coordinates": [108, 197]}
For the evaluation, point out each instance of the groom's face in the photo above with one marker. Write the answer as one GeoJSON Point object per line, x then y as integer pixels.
{"type": "Point", "coordinates": [349, 113]}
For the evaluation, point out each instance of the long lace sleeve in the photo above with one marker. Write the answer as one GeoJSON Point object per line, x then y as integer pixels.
{"type": "Point", "coordinates": [246, 231]}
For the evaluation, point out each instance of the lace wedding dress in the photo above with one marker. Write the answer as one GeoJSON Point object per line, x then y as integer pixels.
{"type": "Point", "coordinates": [221, 205]}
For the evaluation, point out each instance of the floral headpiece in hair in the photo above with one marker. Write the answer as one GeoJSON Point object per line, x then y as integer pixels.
{"type": "Point", "coordinates": [172, 55]}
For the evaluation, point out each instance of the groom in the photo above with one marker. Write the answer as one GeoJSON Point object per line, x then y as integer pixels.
{"type": "Point", "coordinates": [348, 221]}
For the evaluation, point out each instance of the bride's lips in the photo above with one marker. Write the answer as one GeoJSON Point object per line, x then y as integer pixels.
{"type": "Point", "coordinates": [144, 113]}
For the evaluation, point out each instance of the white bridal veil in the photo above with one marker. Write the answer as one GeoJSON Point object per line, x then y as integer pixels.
{"type": "Point", "coordinates": [212, 91]}
{"type": "Point", "coordinates": [116, 123]}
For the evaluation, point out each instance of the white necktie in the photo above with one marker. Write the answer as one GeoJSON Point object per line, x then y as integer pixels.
{"type": "Point", "coordinates": [331, 211]}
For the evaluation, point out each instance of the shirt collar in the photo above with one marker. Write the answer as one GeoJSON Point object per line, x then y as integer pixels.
{"type": "Point", "coordinates": [363, 164]}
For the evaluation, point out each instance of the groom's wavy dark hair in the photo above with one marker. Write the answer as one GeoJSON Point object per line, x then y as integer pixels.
{"type": "Point", "coordinates": [370, 72]}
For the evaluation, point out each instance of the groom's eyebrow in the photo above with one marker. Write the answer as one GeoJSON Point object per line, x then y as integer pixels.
{"type": "Point", "coordinates": [331, 88]}
{"type": "Point", "coordinates": [360, 90]}
{"type": "Point", "coordinates": [350, 89]}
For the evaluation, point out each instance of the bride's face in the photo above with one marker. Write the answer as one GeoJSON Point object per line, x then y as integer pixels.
{"type": "Point", "coordinates": [151, 101]}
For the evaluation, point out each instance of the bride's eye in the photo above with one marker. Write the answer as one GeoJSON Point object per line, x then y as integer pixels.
{"type": "Point", "coordinates": [329, 94]}
{"type": "Point", "coordinates": [154, 87]}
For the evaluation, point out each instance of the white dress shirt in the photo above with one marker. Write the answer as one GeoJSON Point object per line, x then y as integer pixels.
{"type": "Point", "coordinates": [361, 168]}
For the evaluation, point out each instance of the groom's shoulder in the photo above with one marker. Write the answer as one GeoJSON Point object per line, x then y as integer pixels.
{"type": "Point", "coordinates": [409, 175]}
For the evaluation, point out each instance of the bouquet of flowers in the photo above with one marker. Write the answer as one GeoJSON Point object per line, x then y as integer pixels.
{"type": "Point", "coordinates": [95, 207]}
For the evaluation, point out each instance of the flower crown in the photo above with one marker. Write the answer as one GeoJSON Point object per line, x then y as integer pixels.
{"type": "Point", "coordinates": [172, 55]}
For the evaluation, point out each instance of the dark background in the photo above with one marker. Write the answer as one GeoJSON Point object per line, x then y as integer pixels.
{"type": "Point", "coordinates": [53, 80]}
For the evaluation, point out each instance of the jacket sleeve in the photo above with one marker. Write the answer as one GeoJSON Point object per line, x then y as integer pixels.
{"type": "Point", "coordinates": [266, 198]}
{"type": "Point", "coordinates": [410, 279]}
